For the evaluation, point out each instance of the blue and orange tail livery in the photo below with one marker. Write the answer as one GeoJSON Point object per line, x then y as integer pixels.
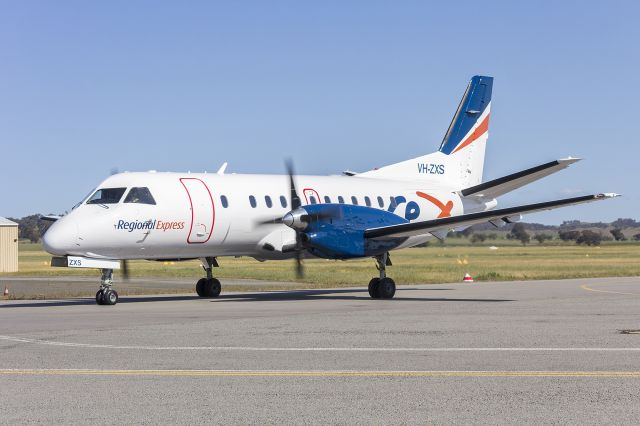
{"type": "Point", "coordinates": [471, 120]}
{"type": "Point", "coordinates": [459, 162]}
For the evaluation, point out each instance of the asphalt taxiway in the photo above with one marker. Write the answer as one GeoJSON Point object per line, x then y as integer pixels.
{"type": "Point", "coordinates": [76, 286]}
{"type": "Point", "coordinates": [526, 352]}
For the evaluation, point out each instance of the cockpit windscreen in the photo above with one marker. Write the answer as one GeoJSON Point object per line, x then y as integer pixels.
{"type": "Point", "coordinates": [107, 196]}
{"type": "Point", "coordinates": [140, 195]}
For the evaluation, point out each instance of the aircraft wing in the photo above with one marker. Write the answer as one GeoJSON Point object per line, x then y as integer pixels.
{"type": "Point", "coordinates": [500, 186]}
{"type": "Point", "coordinates": [446, 223]}
{"type": "Point", "coordinates": [50, 218]}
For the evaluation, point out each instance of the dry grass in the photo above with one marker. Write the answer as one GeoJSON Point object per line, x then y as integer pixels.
{"type": "Point", "coordinates": [434, 264]}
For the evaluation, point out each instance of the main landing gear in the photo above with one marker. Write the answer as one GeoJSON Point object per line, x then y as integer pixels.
{"type": "Point", "coordinates": [382, 287]}
{"type": "Point", "coordinates": [106, 295]}
{"type": "Point", "coordinates": [208, 287]}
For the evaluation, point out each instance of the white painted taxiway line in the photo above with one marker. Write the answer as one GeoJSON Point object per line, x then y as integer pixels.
{"type": "Point", "coordinates": [308, 349]}
{"type": "Point", "coordinates": [312, 373]}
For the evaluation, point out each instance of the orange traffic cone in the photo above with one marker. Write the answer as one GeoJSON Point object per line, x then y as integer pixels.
{"type": "Point", "coordinates": [467, 278]}
{"type": "Point", "coordinates": [6, 290]}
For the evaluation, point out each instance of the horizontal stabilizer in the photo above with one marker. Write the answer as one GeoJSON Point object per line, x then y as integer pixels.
{"type": "Point", "coordinates": [501, 186]}
{"type": "Point", "coordinates": [429, 226]}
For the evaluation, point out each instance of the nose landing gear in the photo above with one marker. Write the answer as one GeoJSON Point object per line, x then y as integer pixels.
{"type": "Point", "coordinates": [106, 295]}
{"type": "Point", "coordinates": [382, 287]}
{"type": "Point", "coordinates": [208, 287]}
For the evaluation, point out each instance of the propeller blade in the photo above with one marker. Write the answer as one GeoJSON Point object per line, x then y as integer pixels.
{"type": "Point", "coordinates": [332, 213]}
{"type": "Point", "coordinates": [299, 248]}
{"type": "Point", "coordinates": [299, 265]}
{"type": "Point", "coordinates": [124, 267]}
{"type": "Point", "coordinates": [274, 221]}
{"type": "Point", "coordinates": [295, 200]}
{"type": "Point", "coordinates": [295, 204]}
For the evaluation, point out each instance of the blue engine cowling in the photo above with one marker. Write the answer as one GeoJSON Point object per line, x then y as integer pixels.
{"type": "Point", "coordinates": [336, 231]}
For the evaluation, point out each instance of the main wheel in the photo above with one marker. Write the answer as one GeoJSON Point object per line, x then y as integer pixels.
{"type": "Point", "coordinates": [208, 287]}
{"type": "Point", "coordinates": [374, 285]}
{"type": "Point", "coordinates": [200, 287]}
{"type": "Point", "coordinates": [110, 297]}
{"type": "Point", "coordinates": [387, 288]}
{"type": "Point", "coordinates": [99, 300]}
{"type": "Point", "coordinates": [213, 287]}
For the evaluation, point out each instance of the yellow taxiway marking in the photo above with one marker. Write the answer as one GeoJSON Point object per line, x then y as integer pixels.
{"type": "Point", "coordinates": [584, 287]}
{"type": "Point", "coordinates": [312, 373]}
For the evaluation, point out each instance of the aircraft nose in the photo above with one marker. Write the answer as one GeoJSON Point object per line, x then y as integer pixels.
{"type": "Point", "coordinates": [61, 237]}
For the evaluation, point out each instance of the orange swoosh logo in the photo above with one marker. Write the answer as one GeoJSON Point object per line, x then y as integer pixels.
{"type": "Point", "coordinates": [445, 209]}
{"type": "Point", "coordinates": [479, 131]}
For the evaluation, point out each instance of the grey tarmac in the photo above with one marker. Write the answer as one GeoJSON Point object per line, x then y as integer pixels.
{"type": "Point", "coordinates": [502, 353]}
{"type": "Point", "coordinates": [77, 286]}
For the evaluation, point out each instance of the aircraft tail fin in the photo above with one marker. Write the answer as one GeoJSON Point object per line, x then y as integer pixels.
{"type": "Point", "coordinates": [471, 120]}
{"type": "Point", "coordinates": [459, 162]}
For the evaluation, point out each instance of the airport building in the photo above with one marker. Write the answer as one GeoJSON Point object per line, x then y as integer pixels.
{"type": "Point", "coordinates": [8, 246]}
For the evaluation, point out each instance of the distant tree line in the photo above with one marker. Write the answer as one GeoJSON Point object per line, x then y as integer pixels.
{"type": "Point", "coordinates": [621, 223]}
{"type": "Point", "coordinates": [31, 227]}
{"type": "Point", "coordinates": [569, 231]}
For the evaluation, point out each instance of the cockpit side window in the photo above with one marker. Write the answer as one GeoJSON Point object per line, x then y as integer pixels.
{"type": "Point", "coordinates": [79, 203]}
{"type": "Point", "coordinates": [140, 195]}
{"type": "Point", "coordinates": [107, 196]}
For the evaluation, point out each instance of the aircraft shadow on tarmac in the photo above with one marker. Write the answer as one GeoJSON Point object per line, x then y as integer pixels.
{"type": "Point", "coordinates": [271, 296]}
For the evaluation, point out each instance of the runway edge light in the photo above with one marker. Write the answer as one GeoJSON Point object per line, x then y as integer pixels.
{"type": "Point", "coordinates": [467, 278]}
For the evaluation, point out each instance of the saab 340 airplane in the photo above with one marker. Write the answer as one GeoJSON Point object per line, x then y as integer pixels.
{"type": "Point", "coordinates": [179, 216]}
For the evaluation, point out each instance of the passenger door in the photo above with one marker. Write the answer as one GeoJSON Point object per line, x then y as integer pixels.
{"type": "Point", "coordinates": [202, 210]}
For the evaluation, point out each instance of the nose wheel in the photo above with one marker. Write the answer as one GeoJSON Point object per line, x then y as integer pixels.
{"type": "Point", "coordinates": [382, 287]}
{"type": "Point", "coordinates": [106, 295]}
{"type": "Point", "coordinates": [208, 287]}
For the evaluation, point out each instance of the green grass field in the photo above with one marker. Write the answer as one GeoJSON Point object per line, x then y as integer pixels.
{"type": "Point", "coordinates": [434, 264]}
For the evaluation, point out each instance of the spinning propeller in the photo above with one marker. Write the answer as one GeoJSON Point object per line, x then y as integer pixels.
{"type": "Point", "coordinates": [290, 219]}
{"type": "Point", "coordinates": [297, 219]}
{"type": "Point", "coordinates": [124, 267]}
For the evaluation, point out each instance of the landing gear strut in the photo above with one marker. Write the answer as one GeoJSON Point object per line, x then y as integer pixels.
{"type": "Point", "coordinates": [106, 295]}
{"type": "Point", "coordinates": [382, 287]}
{"type": "Point", "coordinates": [208, 287]}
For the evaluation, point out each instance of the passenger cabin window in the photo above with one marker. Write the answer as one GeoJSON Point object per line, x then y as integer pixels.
{"type": "Point", "coordinates": [283, 201]}
{"type": "Point", "coordinates": [140, 195]}
{"type": "Point", "coordinates": [380, 202]}
{"type": "Point", "coordinates": [268, 201]}
{"type": "Point", "coordinates": [224, 201]}
{"type": "Point", "coordinates": [327, 199]}
{"type": "Point", "coordinates": [367, 201]}
{"type": "Point", "coordinates": [252, 201]}
{"type": "Point", "coordinates": [313, 200]}
{"type": "Point", "coordinates": [354, 200]}
{"type": "Point", "coordinates": [107, 196]}
{"type": "Point", "coordinates": [340, 199]}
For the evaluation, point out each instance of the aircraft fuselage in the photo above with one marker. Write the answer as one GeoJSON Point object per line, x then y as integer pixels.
{"type": "Point", "coordinates": [199, 215]}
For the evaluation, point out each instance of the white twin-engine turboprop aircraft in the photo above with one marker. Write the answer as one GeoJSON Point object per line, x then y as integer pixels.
{"type": "Point", "coordinates": [161, 216]}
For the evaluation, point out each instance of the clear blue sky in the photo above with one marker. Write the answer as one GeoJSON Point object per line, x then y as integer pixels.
{"type": "Point", "coordinates": [88, 87]}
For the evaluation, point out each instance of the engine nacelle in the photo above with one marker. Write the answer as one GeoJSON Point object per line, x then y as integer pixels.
{"type": "Point", "coordinates": [336, 231]}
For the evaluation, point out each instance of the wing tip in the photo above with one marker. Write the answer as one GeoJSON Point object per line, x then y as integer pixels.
{"type": "Point", "coordinates": [607, 195]}
{"type": "Point", "coordinates": [569, 160]}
